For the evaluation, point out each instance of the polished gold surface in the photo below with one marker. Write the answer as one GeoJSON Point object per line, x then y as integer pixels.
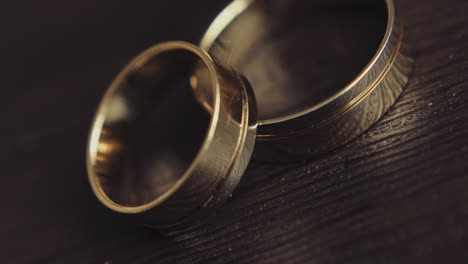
{"type": "Point", "coordinates": [300, 119]}
{"type": "Point", "coordinates": [155, 152]}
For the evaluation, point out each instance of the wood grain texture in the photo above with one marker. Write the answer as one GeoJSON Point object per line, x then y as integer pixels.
{"type": "Point", "coordinates": [397, 194]}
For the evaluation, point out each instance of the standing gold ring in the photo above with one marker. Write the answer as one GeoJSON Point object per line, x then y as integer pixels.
{"type": "Point", "coordinates": [335, 120]}
{"type": "Point", "coordinates": [155, 152]}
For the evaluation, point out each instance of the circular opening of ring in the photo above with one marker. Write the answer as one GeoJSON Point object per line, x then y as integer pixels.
{"type": "Point", "coordinates": [297, 54]}
{"type": "Point", "coordinates": [149, 128]}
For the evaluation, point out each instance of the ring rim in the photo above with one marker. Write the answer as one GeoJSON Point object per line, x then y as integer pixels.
{"type": "Point", "coordinates": [98, 122]}
{"type": "Point", "coordinates": [274, 128]}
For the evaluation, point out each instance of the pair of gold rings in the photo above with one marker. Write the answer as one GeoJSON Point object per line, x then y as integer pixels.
{"type": "Point", "coordinates": [176, 129]}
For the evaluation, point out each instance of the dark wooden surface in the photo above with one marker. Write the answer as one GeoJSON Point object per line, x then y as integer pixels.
{"type": "Point", "coordinates": [397, 194]}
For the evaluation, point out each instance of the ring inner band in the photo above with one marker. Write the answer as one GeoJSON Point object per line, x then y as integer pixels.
{"type": "Point", "coordinates": [151, 129]}
{"type": "Point", "coordinates": [296, 54]}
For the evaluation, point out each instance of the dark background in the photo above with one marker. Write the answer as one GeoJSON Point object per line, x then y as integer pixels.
{"type": "Point", "coordinates": [397, 194]}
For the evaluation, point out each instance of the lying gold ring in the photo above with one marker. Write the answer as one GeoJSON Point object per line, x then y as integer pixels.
{"type": "Point", "coordinates": [155, 152]}
{"type": "Point", "coordinates": [338, 118]}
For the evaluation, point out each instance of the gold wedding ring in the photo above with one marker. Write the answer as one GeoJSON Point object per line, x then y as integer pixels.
{"type": "Point", "coordinates": [155, 152]}
{"type": "Point", "coordinates": [293, 131]}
